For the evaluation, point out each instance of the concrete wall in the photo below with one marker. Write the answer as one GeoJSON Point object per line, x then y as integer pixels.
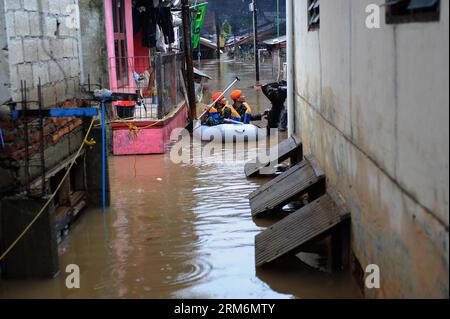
{"type": "Point", "coordinates": [372, 105]}
{"type": "Point", "coordinates": [93, 41]}
{"type": "Point", "coordinates": [42, 39]}
{"type": "Point", "coordinates": [36, 254]}
{"type": "Point", "coordinates": [42, 43]}
{"type": "Point", "coordinates": [4, 67]}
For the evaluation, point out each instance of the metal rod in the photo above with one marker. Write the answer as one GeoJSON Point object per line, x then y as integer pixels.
{"type": "Point", "coordinates": [189, 57]}
{"type": "Point", "coordinates": [278, 18]}
{"type": "Point", "coordinates": [23, 85]}
{"type": "Point", "coordinates": [159, 83]}
{"type": "Point", "coordinates": [103, 158]}
{"type": "Point", "coordinates": [255, 40]}
{"type": "Point", "coordinates": [42, 142]}
{"type": "Point", "coordinates": [216, 18]}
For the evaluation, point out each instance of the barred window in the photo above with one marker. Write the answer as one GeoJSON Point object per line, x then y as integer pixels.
{"type": "Point", "coordinates": [404, 11]}
{"type": "Point", "coordinates": [313, 15]}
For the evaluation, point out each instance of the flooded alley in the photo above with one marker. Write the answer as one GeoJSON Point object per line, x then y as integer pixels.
{"type": "Point", "coordinates": [180, 231]}
{"type": "Point", "coordinates": [209, 149]}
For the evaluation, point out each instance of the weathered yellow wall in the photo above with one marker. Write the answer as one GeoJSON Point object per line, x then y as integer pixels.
{"type": "Point", "coordinates": [372, 106]}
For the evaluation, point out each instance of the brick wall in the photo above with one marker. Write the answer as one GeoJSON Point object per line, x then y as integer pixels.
{"type": "Point", "coordinates": [42, 42]}
{"type": "Point", "coordinates": [62, 138]}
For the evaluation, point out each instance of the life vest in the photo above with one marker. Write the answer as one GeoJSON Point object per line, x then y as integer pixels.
{"type": "Point", "coordinates": [247, 115]}
{"type": "Point", "coordinates": [214, 113]}
{"type": "Point", "coordinates": [234, 114]}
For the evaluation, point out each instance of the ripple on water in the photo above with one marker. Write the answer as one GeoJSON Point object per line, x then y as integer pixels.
{"type": "Point", "coordinates": [194, 272]}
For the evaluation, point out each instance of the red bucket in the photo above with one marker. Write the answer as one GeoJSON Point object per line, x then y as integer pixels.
{"type": "Point", "coordinates": [125, 109]}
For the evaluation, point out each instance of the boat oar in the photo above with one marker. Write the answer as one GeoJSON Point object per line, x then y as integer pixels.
{"type": "Point", "coordinates": [230, 121]}
{"type": "Point", "coordinates": [219, 98]}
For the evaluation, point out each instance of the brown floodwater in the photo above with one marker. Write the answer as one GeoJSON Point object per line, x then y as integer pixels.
{"type": "Point", "coordinates": [180, 231]}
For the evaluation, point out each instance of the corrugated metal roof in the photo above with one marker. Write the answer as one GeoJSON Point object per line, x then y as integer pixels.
{"type": "Point", "coordinates": [276, 41]}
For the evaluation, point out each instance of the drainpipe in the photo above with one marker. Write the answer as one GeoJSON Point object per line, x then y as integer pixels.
{"type": "Point", "coordinates": [290, 65]}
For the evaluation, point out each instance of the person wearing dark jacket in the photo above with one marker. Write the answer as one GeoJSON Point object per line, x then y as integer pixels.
{"type": "Point", "coordinates": [277, 94]}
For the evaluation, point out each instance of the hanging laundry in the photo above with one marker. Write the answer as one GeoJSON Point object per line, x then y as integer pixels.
{"type": "Point", "coordinates": [147, 15]}
{"type": "Point", "coordinates": [165, 21]}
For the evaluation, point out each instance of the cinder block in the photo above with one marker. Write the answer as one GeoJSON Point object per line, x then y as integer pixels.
{"type": "Point", "coordinates": [35, 24]}
{"type": "Point", "coordinates": [40, 70]}
{"type": "Point", "coordinates": [70, 90]}
{"type": "Point", "coordinates": [25, 73]}
{"type": "Point", "coordinates": [50, 26]}
{"type": "Point", "coordinates": [10, 24]}
{"type": "Point", "coordinates": [61, 88]}
{"type": "Point", "coordinates": [54, 7]}
{"type": "Point", "coordinates": [55, 72]}
{"type": "Point", "coordinates": [30, 49]}
{"type": "Point", "coordinates": [49, 96]}
{"type": "Point", "coordinates": [43, 6]}
{"type": "Point", "coordinates": [12, 5]}
{"type": "Point", "coordinates": [21, 23]}
{"type": "Point", "coordinates": [66, 64]}
{"type": "Point", "coordinates": [32, 95]}
{"type": "Point", "coordinates": [68, 48]}
{"type": "Point", "coordinates": [64, 6]}
{"type": "Point", "coordinates": [44, 50]}
{"type": "Point", "coordinates": [57, 48]}
{"type": "Point", "coordinates": [13, 78]}
{"type": "Point", "coordinates": [76, 85]}
{"type": "Point", "coordinates": [30, 5]}
{"type": "Point", "coordinates": [15, 51]}
{"type": "Point", "coordinates": [64, 30]}
{"type": "Point", "coordinates": [75, 68]}
{"type": "Point", "coordinates": [16, 96]}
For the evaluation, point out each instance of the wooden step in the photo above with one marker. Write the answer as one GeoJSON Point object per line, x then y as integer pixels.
{"type": "Point", "coordinates": [290, 148]}
{"type": "Point", "coordinates": [304, 178]}
{"type": "Point", "coordinates": [301, 228]}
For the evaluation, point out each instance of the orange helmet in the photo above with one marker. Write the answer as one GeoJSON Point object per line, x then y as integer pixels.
{"type": "Point", "coordinates": [236, 94]}
{"type": "Point", "coordinates": [216, 96]}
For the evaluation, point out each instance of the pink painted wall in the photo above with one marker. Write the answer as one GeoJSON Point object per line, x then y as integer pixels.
{"type": "Point", "coordinates": [150, 140]}
{"type": "Point", "coordinates": [178, 121]}
{"type": "Point", "coordinates": [109, 21]}
{"type": "Point", "coordinates": [147, 141]}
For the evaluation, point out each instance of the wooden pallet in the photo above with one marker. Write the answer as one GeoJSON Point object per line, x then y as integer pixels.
{"type": "Point", "coordinates": [304, 178]}
{"type": "Point", "coordinates": [313, 221]}
{"type": "Point", "coordinates": [290, 148]}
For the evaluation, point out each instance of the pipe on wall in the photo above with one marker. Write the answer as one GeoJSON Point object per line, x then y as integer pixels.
{"type": "Point", "coordinates": [290, 66]}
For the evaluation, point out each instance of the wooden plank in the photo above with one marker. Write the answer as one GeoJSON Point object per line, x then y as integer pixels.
{"type": "Point", "coordinates": [301, 228]}
{"type": "Point", "coordinates": [303, 178]}
{"type": "Point", "coordinates": [36, 184]}
{"type": "Point", "coordinates": [290, 148]}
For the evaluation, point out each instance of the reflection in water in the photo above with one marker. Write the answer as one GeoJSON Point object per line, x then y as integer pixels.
{"type": "Point", "coordinates": [179, 231]}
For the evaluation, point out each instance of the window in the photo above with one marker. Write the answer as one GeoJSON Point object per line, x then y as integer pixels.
{"type": "Point", "coordinates": [404, 11]}
{"type": "Point", "coordinates": [120, 43]}
{"type": "Point", "coordinates": [313, 15]}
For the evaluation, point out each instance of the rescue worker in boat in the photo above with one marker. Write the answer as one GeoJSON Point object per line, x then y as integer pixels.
{"type": "Point", "coordinates": [214, 115]}
{"type": "Point", "coordinates": [243, 108]}
{"type": "Point", "coordinates": [221, 112]}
